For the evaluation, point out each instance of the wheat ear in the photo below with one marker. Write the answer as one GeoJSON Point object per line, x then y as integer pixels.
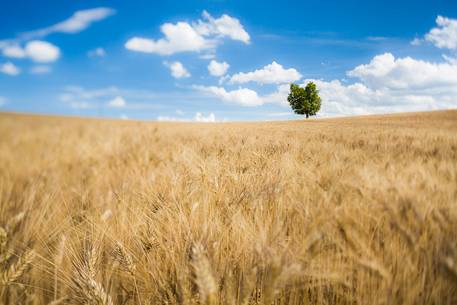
{"type": "Point", "coordinates": [124, 258]}
{"type": "Point", "coordinates": [85, 281]}
{"type": "Point", "coordinates": [16, 270]}
{"type": "Point", "coordinates": [203, 276]}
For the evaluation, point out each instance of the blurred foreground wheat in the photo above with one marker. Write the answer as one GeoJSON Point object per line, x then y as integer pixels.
{"type": "Point", "coordinates": [342, 211]}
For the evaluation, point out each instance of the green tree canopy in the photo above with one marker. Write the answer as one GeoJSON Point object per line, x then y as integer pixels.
{"type": "Point", "coordinates": [304, 101]}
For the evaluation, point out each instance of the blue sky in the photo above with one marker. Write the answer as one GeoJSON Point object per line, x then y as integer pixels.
{"type": "Point", "coordinates": [225, 60]}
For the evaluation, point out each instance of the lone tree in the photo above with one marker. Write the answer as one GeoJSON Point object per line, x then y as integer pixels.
{"type": "Point", "coordinates": [304, 100]}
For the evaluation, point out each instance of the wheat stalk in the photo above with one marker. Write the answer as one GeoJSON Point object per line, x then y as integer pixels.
{"type": "Point", "coordinates": [84, 280]}
{"type": "Point", "coordinates": [4, 256]}
{"type": "Point", "coordinates": [58, 259]}
{"type": "Point", "coordinates": [203, 276]}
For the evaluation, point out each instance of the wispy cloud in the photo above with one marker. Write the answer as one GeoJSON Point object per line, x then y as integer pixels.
{"type": "Point", "coordinates": [30, 44]}
{"type": "Point", "coordinates": [40, 70]}
{"type": "Point", "coordinates": [199, 117]}
{"type": "Point", "coordinates": [117, 102]}
{"type": "Point", "coordinates": [80, 97]}
{"type": "Point", "coordinates": [79, 21]}
{"type": "Point", "coordinates": [97, 52]}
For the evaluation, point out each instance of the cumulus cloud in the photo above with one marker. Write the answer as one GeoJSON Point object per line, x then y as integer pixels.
{"type": "Point", "coordinates": [279, 96]}
{"type": "Point", "coordinates": [218, 68]}
{"type": "Point", "coordinates": [273, 73]}
{"type": "Point", "coordinates": [97, 52]}
{"type": "Point", "coordinates": [177, 69]}
{"type": "Point", "coordinates": [247, 97]}
{"type": "Point", "coordinates": [179, 37]}
{"type": "Point", "coordinates": [10, 69]}
{"type": "Point", "coordinates": [185, 37]}
{"type": "Point", "coordinates": [385, 71]}
{"type": "Point", "coordinates": [79, 21]}
{"type": "Point", "coordinates": [117, 102]}
{"type": "Point", "coordinates": [242, 96]}
{"type": "Point", "coordinates": [387, 84]}
{"type": "Point", "coordinates": [42, 51]}
{"type": "Point", "coordinates": [40, 69]}
{"type": "Point", "coordinates": [444, 36]}
{"type": "Point", "coordinates": [36, 50]}
{"type": "Point", "coordinates": [222, 26]}
{"type": "Point", "coordinates": [14, 51]}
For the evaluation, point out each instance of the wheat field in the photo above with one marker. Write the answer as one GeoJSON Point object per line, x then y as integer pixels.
{"type": "Point", "coordinates": [356, 210]}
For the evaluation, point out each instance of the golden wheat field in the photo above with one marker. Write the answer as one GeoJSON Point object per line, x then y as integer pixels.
{"type": "Point", "coordinates": [328, 211]}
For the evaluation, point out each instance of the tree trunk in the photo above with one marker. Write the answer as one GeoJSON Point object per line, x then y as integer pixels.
{"type": "Point", "coordinates": [307, 115]}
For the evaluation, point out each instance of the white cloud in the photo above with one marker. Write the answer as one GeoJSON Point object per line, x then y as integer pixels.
{"type": "Point", "coordinates": [278, 114]}
{"type": "Point", "coordinates": [208, 56]}
{"type": "Point", "coordinates": [405, 73]}
{"type": "Point", "coordinates": [247, 97]}
{"type": "Point", "coordinates": [416, 41]}
{"type": "Point", "coordinates": [177, 69]}
{"type": "Point", "coordinates": [2, 101]}
{"type": "Point", "coordinates": [81, 98]}
{"type": "Point", "coordinates": [124, 117]}
{"type": "Point", "coordinates": [78, 22]}
{"type": "Point", "coordinates": [444, 36]}
{"type": "Point", "coordinates": [387, 84]}
{"type": "Point", "coordinates": [242, 96]}
{"type": "Point", "coordinates": [199, 117]}
{"type": "Point", "coordinates": [42, 51]}
{"type": "Point", "coordinates": [279, 96]}
{"type": "Point", "coordinates": [273, 73]}
{"type": "Point", "coordinates": [37, 50]}
{"type": "Point", "coordinates": [164, 118]}
{"type": "Point", "coordinates": [179, 37]}
{"type": "Point", "coordinates": [184, 37]}
{"type": "Point", "coordinates": [222, 26]}
{"type": "Point", "coordinates": [79, 93]}
{"type": "Point", "coordinates": [40, 69]}
{"type": "Point", "coordinates": [135, 98]}
{"type": "Point", "coordinates": [10, 69]}
{"type": "Point", "coordinates": [117, 102]}
{"type": "Point", "coordinates": [14, 51]}
{"type": "Point", "coordinates": [211, 118]}
{"type": "Point", "coordinates": [450, 59]}
{"type": "Point", "coordinates": [218, 68]}
{"type": "Point", "coordinates": [97, 52]}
